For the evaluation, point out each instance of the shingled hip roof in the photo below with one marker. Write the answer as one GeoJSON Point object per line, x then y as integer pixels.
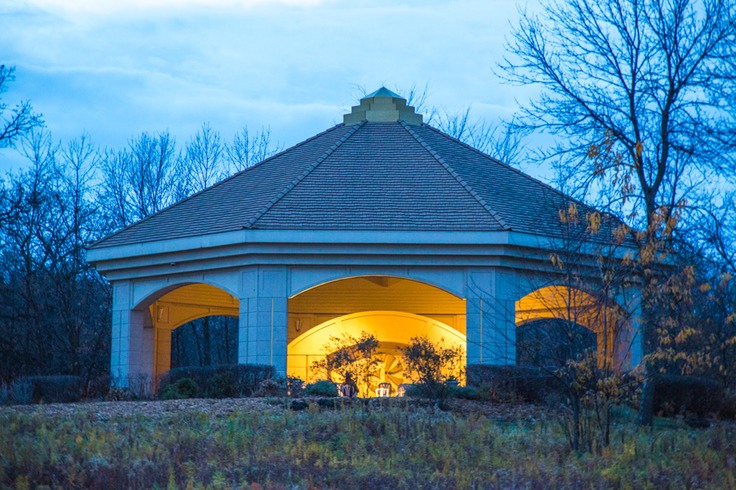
{"type": "Point", "coordinates": [374, 173]}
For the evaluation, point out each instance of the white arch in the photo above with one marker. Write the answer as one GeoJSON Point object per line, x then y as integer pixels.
{"type": "Point", "coordinates": [155, 292]}
{"type": "Point", "coordinates": [343, 277]}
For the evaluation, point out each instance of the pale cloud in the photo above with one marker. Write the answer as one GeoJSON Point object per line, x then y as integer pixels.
{"type": "Point", "coordinates": [112, 7]}
{"type": "Point", "coordinates": [292, 65]}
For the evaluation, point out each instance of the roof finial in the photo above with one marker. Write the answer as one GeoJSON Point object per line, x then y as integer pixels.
{"type": "Point", "coordinates": [383, 105]}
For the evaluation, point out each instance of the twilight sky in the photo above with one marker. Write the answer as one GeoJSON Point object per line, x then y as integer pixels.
{"type": "Point", "coordinates": [115, 68]}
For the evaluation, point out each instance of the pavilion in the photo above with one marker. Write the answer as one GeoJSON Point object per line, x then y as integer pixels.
{"type": "Point", "coordinates": [381, 224]}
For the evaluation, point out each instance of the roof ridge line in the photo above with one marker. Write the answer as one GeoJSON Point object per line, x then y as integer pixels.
{"type": "Point", "coordinates": [506, 165]}
{"type": "Point", "coordinates": [519, 172]}
{"type": "Point", "coordinates": [302, 176]}
{"type": "Point", "coordinates": [457, 176]}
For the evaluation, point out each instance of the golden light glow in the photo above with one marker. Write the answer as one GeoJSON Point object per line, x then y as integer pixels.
{"type": "Point", "coordinates": [393, 329]}
{"type": "Point", "coordinates": [575, 306]}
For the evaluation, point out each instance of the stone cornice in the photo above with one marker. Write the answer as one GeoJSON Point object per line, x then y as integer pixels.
{"type": "Point", "coordinates": [315, 248]}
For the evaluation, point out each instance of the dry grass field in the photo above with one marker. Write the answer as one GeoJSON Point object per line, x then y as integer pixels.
{"type": "Point", "coordinates": [272, 443]}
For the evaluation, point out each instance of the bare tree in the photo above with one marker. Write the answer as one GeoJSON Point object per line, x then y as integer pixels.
{"type": "Point", "coordinates": [248, 149]}
{"type": "Point", "coordinates": [502, 141]}
{"type": "Point", "coordinates": [141, 179]}
{"type": "Point", "coordinates": [20, 119]}
{"type": "Point", "coordinates": [640, 93]}
{"type": "Point", "coordinates": [54, 307]}
{"type": "Point", "coordinates": [205, 159]}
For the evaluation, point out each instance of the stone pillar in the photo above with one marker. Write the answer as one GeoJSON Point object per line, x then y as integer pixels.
{"type": "Point", "coordinates": [132, 346]}
{"type": "Point", "coordinates": [490, 318]}
{"type": "Point", "coordinates": [629, 344]}
{"type": "Point", "coordinates": [161, 322]}
{"type": "Point", "coordinates": [262, 337]}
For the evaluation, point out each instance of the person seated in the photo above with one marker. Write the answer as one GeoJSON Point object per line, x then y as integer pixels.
{"type": "Point", "coordinates": [349, 388]}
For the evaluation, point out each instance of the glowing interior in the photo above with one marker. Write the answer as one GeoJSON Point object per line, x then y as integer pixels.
{"type": "Point", "coordinates": [393, 329]}
{"type": "Point", "coordinates": [575, 306]}
{"type": "Point", "coordinates": [393, 309]}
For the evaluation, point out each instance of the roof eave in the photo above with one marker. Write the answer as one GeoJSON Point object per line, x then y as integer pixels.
{"type": "Point", "coordinates": [315, 247]}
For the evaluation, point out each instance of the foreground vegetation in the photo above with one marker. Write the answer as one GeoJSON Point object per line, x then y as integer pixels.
{"type": "Point", "coordinates": [399, 444]}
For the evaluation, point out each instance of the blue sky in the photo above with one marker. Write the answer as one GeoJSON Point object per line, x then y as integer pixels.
{"type": "Point", "coordinates": [115, 68]}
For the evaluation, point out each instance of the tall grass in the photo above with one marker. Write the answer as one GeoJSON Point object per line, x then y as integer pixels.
{"type": "Point", "coordinates": [356, 447]}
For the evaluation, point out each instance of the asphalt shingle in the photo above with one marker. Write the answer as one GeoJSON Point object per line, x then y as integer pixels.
{"type": "Point", "coordinates": [368, 176]}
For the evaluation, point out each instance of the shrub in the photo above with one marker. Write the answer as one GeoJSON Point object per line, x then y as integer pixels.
{"type": "Point", "coordinates": [272, 387]}
{"type": "Point", "coordinates": [183, 388]}
{"type": "Point", "coordinates": [98, 387]}
{"type": "Point", "coordinates": [324, 388]}
{"type": "Point", "coordinates": [464, 393]}
{"type": "Point", "coordinates": [728, 408]}
{"type": "Point", "coordinates": [227, 380]}
{"type": "Point", "coordinates": [47, 389]}
{"type": "Point", "coordinates": [513, 383]}
{"type": "Point", "coordinates": [435, 366]}
{"type": "Point", "coordinates": [686, 395]}
{"type": "Point", "coordinates": [348, 356]}
{"type": "Point", "coordinates": [224, 385]}
{"type": "Point", "coordinates": [295, 387]}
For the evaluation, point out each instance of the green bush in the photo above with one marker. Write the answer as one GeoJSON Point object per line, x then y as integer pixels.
{"type": "Point", "coordinates": [464, 393]}
{"type": "Point", "coordinates": [223, 381]}
{"type": "Point", "coordinates": [728, 408]}
{"type": "Point", "coordinates": [435, 366]}
{"type": "Point", "coordinates": [687, 395]}
{"type": "Point", "coordinates": [98, 387]}
{"type": "Point", "coordinates": [183, 388]}
{"type": "Point", "coordinates": [321, 388]}
{"type": "Point", "coordinates": [272, 388]}
{"type": "Point", "coordinates": [513, 383]}
{"type": "Point", "coordinates": [224, 385]}
{"type": "Point", "coordinates": [47, 389]}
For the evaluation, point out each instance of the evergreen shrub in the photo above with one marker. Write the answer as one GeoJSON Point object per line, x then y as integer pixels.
{"type": "Point", "coordinates": [183, 388]}
{"type": "Point", "coordinates": [687, 395]}
{"type": "Point", "coordinates": [47, 389]}
{"type": "Point", "coordinates": [512, 383]}
{"type": "Point", "coordinates": [324, 388]}
{"type": "Point", "coordinates": [222, 381]}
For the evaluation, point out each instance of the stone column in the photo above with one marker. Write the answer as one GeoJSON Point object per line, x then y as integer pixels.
{"type": "Point", "coordinates": [161, 322]}
{"type": "Point", "coordinates": [262, 337]}
{"type": "Point", "coordinates": [132, 346]}
{"type": "Point", "coordinates": [490, 317]}
{"type": "Point", "coordinates": [629, 344]}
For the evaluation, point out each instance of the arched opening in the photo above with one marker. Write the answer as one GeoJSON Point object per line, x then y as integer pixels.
{"type": "Point", "coordinates": [557, 323]}
{"type": "Point", "coordinates": [551, 342]}
{"type": "Point", "coordinates": [207, 341]}
{"type": "Point", "coordinates": [194, 316]}
{"type": "Point", "coordinates": [393, 309]}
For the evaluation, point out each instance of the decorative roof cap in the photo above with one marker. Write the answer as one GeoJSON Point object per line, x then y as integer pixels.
{"type": "Point", "coordinates": [382, 105]}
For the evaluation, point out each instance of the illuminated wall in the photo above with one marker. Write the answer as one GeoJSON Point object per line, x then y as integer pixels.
{"type": "Point", "coordinates": [331, 300]}
{"type": "Point", "coordinates": [393, 329]}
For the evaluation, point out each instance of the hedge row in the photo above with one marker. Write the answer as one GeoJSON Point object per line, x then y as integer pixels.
{"type": "Point", "coordinates": [223, 381]}
{"type": "Point", "coordinates": [513, 383]}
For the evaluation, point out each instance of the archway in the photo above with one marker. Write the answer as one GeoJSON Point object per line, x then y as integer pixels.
{"type": "Point", "coordinates": [206, 341]}
{"type": "Point", "coordinates": [554, 320]}
{"type": "Point", "coordinates": [180, 306]}
{"type": "Point", "coordinates": [393, 309]}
